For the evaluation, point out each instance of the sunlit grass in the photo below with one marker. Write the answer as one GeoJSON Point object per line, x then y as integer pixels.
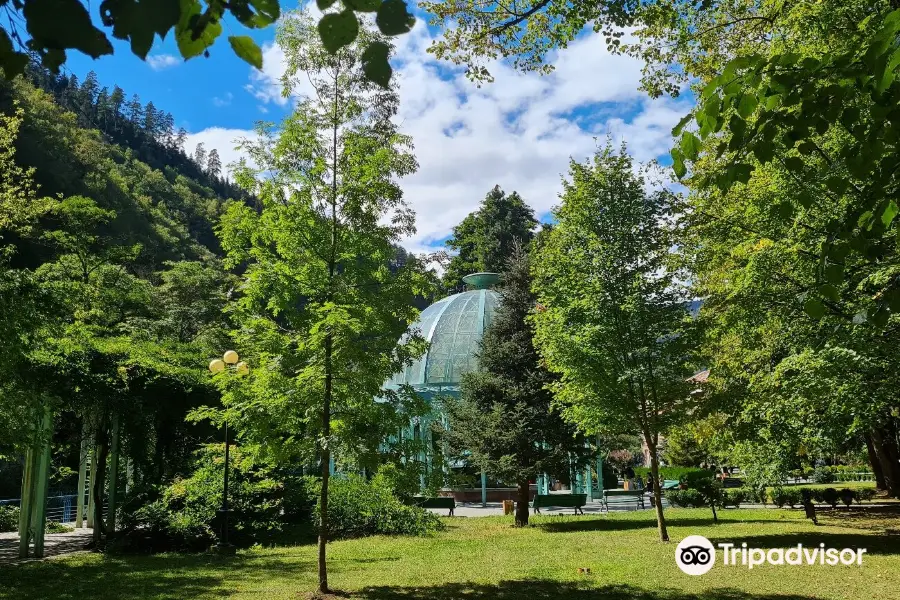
{"type": "Point", "coordinates": [487, 558]}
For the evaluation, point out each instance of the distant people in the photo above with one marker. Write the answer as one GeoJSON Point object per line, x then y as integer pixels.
{"type": "Point", "coordinates": [629, 476]}
{"type": "Point", "coordinates": [649, 485]}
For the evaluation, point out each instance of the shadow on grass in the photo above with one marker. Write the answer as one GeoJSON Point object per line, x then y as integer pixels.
{"type": "Point", "coordinates": [536, 589]}
{"type": "Point", "coordinates": [607, 524]}
{"type": "Point", "coordinates": [174, 576]}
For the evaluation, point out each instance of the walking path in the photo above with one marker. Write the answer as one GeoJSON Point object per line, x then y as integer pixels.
{"type": "Point", "coordinates": [55, 544]}
{"type": "Point", "coordinates": [494, 509]}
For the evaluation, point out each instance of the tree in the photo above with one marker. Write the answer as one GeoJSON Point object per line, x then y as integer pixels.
{"type": "Point", "coordinates": [485, 239]}
{"type": "Point", "coordinates": [117, 101]}
{"type": "Point", "coordinates": [213, 163]}
{"type": "Point", "coordinates": [321, 312]}
{"type": "Point", "coordinates": [200, 156]}
{"type": "Point", "coordinates": [134, 112]}
{"type": "Point", "coordinates": [525, 32]}
{"type": "Point", "coordinates": [615, 325]}
{"type": "Point", "coordinates": [151, 122]}
{"type": "Point", "coordinates": [180, 138]}
{"type": "Point", "coordinates": [505, 422]}
{"type": "Point", "coordinates": [196, 30]}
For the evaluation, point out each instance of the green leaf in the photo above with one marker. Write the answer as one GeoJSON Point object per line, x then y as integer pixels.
{"type": "Point", "coordinates": [836, 184]}
{"type": "Point", "coordinates": [62, 24]}
{"type": "Point", "coordinates": [363, 6]}
{"type": "Point", "coordinates": [785, 210]}
{"type": "Point", "coordinates": [678, 165]}
{"type": "Point", "coordinates": [193, 34]}
{"type": "Point", "coordinates": [881, 316]}
{"type": "Point", "coordinates": [763, 152]}
{"type": "Point", "coordinates": [375, 64]}
{"type": "Point", "coordinates": [806, 148]}
{"type": "Point", "coordinates": [394, 18]}
{"type": "Point", "coordinates": [741, 172]}
{"type": "Point", "coordinates": [338, 30]}
{"type": "Point", "coordinates": [267, 12]}
{"type": "Point", "coordinates": [794, 164]}
{"type": "Point", "coordinates": [839, 251]}
{"type": "Point", "coordinates": [890, 211]}
{"type": "Point", "coordinates": [814, 308]}
{"type": "Point", "coordinates": [747, 105]}
{"type": "Point", "coordinates": [834, 273]}
{"type": "Point", "coordinates": [690, 146]}
{"type": "Point", "coordinates": [738, 127]}
{"type": "Point", "coordinates": [676, 131]}
{"type": "Point", "coordinates": [323, 4]}
{"type": "Point", "coordinates": [13, 63]}
{"type": "Point", "coordinates": [246, 48]}
{"type": "Point", "coordinates": [861, 317]}
{"type": "Point", "coordinates": [829, 291]}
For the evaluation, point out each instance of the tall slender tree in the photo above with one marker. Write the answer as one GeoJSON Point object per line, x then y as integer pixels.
{"type": "Point", "coordinates": [214, 163]}
{"type": "Point", "coordinates": [614, 326]}
{"type": "Point", "coordinates": [322, 310]}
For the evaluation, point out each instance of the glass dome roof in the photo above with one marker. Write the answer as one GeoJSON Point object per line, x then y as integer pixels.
{"type": "Point", "coordinates": [453, 327]}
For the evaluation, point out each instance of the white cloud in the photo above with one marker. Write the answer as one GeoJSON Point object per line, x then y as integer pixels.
{"type": "Point", "coordinates": [158, 62]}
{"type": "Point", "coordinates": [224, 100]}
{"type": "Point", "coordinates": [222, 139]}
{"type": "Point", "coordinates": [518, 132]}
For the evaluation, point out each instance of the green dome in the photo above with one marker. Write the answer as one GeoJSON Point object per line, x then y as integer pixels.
{"type": "Point", "coordinates": [453, 327]}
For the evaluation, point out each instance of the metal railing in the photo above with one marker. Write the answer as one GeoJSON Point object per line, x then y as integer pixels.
{"type": "Point", "coordinates": [59, 508]}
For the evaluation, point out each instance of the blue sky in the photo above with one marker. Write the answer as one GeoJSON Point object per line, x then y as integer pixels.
{"type": "Point", "coordinates": [518, 132]}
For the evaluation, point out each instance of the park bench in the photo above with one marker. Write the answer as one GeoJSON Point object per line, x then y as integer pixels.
{"type": "Point", "coordinates": [622, 497]}
{"type": "Point", "coordinates": [435, 502]}
{"type": "Point", "coordinates": [575, 501]}
{"type": "Point", "coordinates": [670, 484]}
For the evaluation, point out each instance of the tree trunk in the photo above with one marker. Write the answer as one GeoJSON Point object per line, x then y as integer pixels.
{"type": "Point", "coordinates": [522, 504]}
{"type": "Point", "coordinates": [326, 468]}
{"type": "Point", "coordinates": [876, 464]}
{"type": "Point", "coordinates": [657, 492]}
{"type": "Point", "coordinates": [886, 449]}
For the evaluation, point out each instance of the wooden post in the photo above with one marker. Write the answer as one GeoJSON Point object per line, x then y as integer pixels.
{"type": "Point", "coordinates": [113, 478]}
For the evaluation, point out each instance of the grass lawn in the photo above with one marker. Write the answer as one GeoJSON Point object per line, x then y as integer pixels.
{"type": "Point", "coordinates": [488, 559]}
{"type": "Point", "coordinates": [836, 485]}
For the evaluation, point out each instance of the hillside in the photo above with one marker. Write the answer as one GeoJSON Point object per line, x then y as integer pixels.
{"type": "Point", "coordinates": [127, 163]}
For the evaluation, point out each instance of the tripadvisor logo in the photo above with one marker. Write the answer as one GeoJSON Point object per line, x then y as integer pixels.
{"type": "Point", "coordinates": [695, 555]}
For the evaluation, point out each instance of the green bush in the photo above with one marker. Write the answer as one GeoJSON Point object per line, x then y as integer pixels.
{"type": "Point", "coordinates": [685, 498]}
{"type": "Point", "coordinates": [301, 492]}
{"type": "Point", "coordinates": [847, 496]}
{"type": "Point", "coordinates": [403, 483]}
{"type": "Point", "coordinates": [830, 496]}
{"type": "Point", "coordinates": [187, 516]}
{"type": "Point", "coordinates": [9, 518]}
{"type": "Point", "coordinates": [358, 508]}
{"type": "Point", "coordinates": [56, 527]}
{"type": "Point", "coordinates": [823, 475]}
{"type": "Point", "coordinates": [687, 475]}
{"type": "Point", "coordinates": [756, 495]}
{"type": "Point", "coordinates": [790, 496]}
{"type": "Point", "coordinates": [864, 494]}
{"type": "Point", "coordinates": [734, 497]}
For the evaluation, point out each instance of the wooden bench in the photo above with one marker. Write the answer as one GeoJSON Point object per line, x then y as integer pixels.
{"type": "Point", "coordinates": [435, 502]}
{"type": "Point", "coordinates": [621, 497]}
{"type": "Point", "coordinates": [575, 501]}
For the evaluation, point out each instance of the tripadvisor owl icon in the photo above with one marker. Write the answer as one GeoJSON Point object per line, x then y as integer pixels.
{"type": "Point", "coordinates": [695, 555]}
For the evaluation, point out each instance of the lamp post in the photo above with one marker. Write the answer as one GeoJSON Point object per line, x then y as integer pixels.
{"type": "Point", "coordinates": [231, 361]}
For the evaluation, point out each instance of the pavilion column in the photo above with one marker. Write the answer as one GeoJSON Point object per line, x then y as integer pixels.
{"type": "Point", "coordinates": [599, 469]}
{"type": "Point", "coordinates": [589, 482]}
{"type": "Point", "coordinates": [483, 488]}
{"type": "Point", "coordinates": [113, 477]}
{"type": "Point", "coordinates": [82, 477]}
{"type": "Point", "coordinates": [93, 477]}
{"type": "Point", "coordinates": [35, 480]}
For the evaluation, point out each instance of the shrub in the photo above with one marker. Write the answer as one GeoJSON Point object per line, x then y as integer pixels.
{"type": "Point", "coordinates": [734, 497]}
{"type": "Point", "coordinates": [847, 496]}
{"type": "Point", "coordinates": [685, 498]}
{"type": "Point", "coordinates": [864, 494]}
{"type": "Point", "coordinates": [55, 527]}
{"type": "Point", "coordinates": [358, 508]}
{"type": "Point", "coordinates": [403, 483]}
{"type": "Point", "coordinates": [830, 496]}
{"type": "Point", "coordinates": [687, 475]}
{"type": "Point", "coordinates": [301, 492]}
{"type": "Point", "coordinates": [823, 475]}
{"type": "Point", "coordinates": [789, 495]}
{"type": "Point", "coordinates": [187, 516]}
{"type": "Point", "coordinates": [9, 518]}
{"type": "Point", "coordinates": [756, 495]}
